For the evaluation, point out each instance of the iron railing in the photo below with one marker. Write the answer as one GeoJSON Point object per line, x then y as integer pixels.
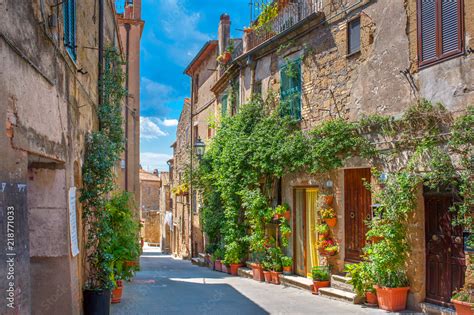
{"type": "Point", "coordinates": [293, 12]}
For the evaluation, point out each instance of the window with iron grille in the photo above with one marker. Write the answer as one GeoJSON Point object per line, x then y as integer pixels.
{"type": "Point", "coordinates": [353, 36]}
{"type": "Point", "coordinates": [290, 89]}
{"type": "Point", "coordinates": [69, 12]}
{"type": "Point", "coordinates": [440, 30]}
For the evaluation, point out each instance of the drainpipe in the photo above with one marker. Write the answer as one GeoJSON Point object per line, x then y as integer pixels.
{"type": "Point", "coordinates": [101, 49]}
{"type": "Point", "coordinates": [193, 90]}
{"type": "Point", "coordinates": [127, 51]}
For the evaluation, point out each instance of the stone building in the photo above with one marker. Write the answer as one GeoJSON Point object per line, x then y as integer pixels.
{"type": "Point", "coordinates": [352, 59]}
{"type": "Point", "coordinates": [204, 71]}
{"type": "Point", "coordinates": [165, 204]}
{"type": "Point", "coordinates": [49, 98]}
{"type": "Point", "coordinates": [130, 30]}
{"type": "Point", "coordinates": [150, 186]}
{"type": "Point", "coordinates": [179, 172]}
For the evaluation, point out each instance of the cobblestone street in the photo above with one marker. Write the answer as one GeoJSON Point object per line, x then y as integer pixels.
{"type": "Point", "coordinates": [170, 286]}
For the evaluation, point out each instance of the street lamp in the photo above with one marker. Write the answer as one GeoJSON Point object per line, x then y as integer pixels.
{"type": "Point", "coordinates": [199, 146]}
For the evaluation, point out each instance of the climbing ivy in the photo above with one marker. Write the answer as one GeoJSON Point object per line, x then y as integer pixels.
{"type": "Point", "coordinates": [103, 149]}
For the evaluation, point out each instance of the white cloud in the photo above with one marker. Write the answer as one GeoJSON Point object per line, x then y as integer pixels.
{"type": "Point", "coordinates": [169, 122]}
{"type": "Point", "coordinates": [149, 129]}
{"type": "Point", "coordinates": [152, 160]}
{"type": "Point", "coordinates": [155, 88]}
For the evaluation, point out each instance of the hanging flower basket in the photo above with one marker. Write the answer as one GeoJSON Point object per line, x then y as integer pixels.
{"type": "Point", "coordinates": [331, 222]}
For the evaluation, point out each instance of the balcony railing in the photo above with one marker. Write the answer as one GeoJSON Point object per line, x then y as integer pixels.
{"type": "Point", "coordinates": [289, 14]}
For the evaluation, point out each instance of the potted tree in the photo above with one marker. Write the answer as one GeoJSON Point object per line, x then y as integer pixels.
{"type": "Point", "coordinates": [287, 263]}
{"type": "Point", "coordinates": [267, 266]}
{"type": "Point", "coordinates": [463, 301]}
{"type": "Point", "coordinates": [321, 276]}
{"type": "Point", "coordinates": [362, 281]}
{"type": "Point", "coordinates": [257, 269]}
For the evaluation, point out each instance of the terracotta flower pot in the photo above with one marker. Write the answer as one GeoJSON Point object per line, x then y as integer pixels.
{"type": "Point", "coordinates": [328, 199]}
{"type": "Point", "coordinates": [463, 308]}
{"type": "Point", "coordinates": [234, 269]}
{"type": "Point", "coordinates": [117, 292]}
{"type": "Point", "coordinates": [331, 222]}
{"type": "Point", "coordinates": [257, 271]}
{"type": "Point", "coordinates": [131, 263]}
{"type": "Point", "coordinates": [323, 236]}
{"type": "Point", "coordinates": [371, 298]}
{"type": "Point", "coordinates": [287, 270]}
{"type": "Point", "coordinates": [268, 276]}
{"type": "Point", "coordinates": [218, 265]}
{"type": "Point", "coordinates": [392, 299]}
{"type": "Point", "coordinates": [226, 268]}
{"type": "Point", "coordinates": [287, 215]}
{"type": "Point", "coordinates": [275, 277]}
{"type": "Point", "coordinates": [248, 30]}
{"type": "Point", "coordinates": [376, 239]}
{"type": "Point", "coordinates": [226, 57]}
{"type": "Point", "coordinates": [319, 284]}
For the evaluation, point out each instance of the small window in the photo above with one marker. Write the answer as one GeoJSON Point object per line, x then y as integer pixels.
{"type": "Point", "coordinates": [224, 105]}
{"type": "Point", "coordinates": [209, 132]}
{"type": "Point", "coordinates": [439, 30]}
{"type": "Point", "coordinates": [290, 89]}
{"type": "Point", "coordinates": [353, 36]}
{"type": "Point", "coordinates": [196, 133]}
{"type": "Point", "coordinates": [257, 90]}
{"type": "Point", "coordinates": [69, 11]}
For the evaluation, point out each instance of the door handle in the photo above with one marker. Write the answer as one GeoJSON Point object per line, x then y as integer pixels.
{"type": "Point", "coordinates": [458, 240]}
{"type": "Point", "coordinates": [352, 215]}
{"type": "Point", "coordinates": [435, 237]}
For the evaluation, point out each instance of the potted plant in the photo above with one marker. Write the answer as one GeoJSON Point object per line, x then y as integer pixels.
{"type": "Point", "coordinates": [328, 199]}
{"type": "Point", "coordinates": [282, 211]}
{"type": "Point", "coordinates": [323, 231]}
{"type": "Point", "coordinates": [248, 30]}
{"type": "Point", "coordinates": [124, 246]}
{"type": "Point", "coordinates": [287, 264]}
{"type": "Point", "coordinates": [233, 257]}
{"type": "Point", "coordinates": [362, 281]}
{"type": "Point", "coordinates": [321, 276]}
{"type": "Point", "coordinates": [392, 290]}
{"type": "Point", "coordinates": [217, 256]}
{"type": "Point", "coordinates": [329, 216]}
{"type": "Point", "coordinates": [328, 247]}
{"type": "Point", "coordinates": [267, 266]}
{"type": "Point", "coordinates": [276, 254]}
{"type": "Point", "coordinates": [463, 301]}
{"type": "Point", "coordinates": [257, 268]}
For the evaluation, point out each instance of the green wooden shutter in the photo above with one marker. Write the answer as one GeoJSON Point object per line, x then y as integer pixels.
{"type": "Point", "coordinates": [69, 12]}
{"type": "Point", "coordinates": [224, 105]}
{"type": "Point", "coordinates": [290, 89]}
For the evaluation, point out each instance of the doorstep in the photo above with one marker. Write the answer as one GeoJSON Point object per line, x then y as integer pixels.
{"type": "Point", "coordinates": [434, 309]}
{"type": "Point", "coordinates": [296, 281]}
{"type": "Point", "coordinates": [245, 272]}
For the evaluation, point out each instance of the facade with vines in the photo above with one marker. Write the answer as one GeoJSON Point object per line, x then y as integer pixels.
{"type": "Point", "coordinates": [367, 64]}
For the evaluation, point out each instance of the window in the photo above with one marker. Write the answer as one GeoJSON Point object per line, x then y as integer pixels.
{"type": "Point", "coordinates": [235, 93]}
{"type": "Point", "coordinates": [257, 90]}
{"type": "Point", "coordinates": [353, 36]}
{"type": "Point", "coordinates": [196, 133]}
{"type": "Point", "coordinates": [290, 89]}
{"type": "Point", "coordinates": [224, 105]}
{"type": "Point", "coordinates": [70, 27]}
{"type": "Point", "coordinates": [439, 30]}
{"type": "Point", "coordinates": [209, 132]}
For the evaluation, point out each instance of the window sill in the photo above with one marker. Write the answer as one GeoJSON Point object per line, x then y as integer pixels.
{"type": "Point", "coordinates": [353, 54]}
{"type": "Point", "coordinates": [422, 66]}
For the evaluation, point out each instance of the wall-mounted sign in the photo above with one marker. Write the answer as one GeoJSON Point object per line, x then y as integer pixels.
{"type": "Point", "coordinates": [73, 221]}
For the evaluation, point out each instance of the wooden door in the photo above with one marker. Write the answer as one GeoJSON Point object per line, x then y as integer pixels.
{"type": "Point", "coordinates": [357, 209]}
{"type": "Point", "coordinates": [445, 260]}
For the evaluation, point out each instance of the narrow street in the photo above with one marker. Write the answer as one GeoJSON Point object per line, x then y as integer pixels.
{"type": "Point", "coordinates": [171, 286]}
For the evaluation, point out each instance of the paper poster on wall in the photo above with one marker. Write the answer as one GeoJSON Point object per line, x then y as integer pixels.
{"type": "Point", "coordinates": [73, 221]}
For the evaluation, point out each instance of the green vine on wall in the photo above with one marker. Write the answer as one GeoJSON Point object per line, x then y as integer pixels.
{"type": "Point", "coordinates": [103, 149]}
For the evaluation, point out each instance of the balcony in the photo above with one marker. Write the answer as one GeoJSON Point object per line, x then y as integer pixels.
{"type": "Point", "coordinates": [275, 17]}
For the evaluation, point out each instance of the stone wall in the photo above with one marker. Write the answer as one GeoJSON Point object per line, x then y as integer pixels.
{"type": "Point", "coordinates": [152, 227]}
{"type": "Point", "coordinates": [48, 106]}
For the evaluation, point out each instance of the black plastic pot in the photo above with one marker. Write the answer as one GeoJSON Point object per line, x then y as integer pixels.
{"type": "Point", "coordinates": [97, 302]}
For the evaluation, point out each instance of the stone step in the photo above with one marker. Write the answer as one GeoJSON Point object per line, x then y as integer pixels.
{"type": "Point", "coordinates": [297, 282]}
{"type": "Point", "coordinates": [245, 272]}
{"type": "Point", "coordinates": [340, 295]}
{"type": "Point", "coordinates": [433, 309]}
{"type": "Point", "coordinates": [341, 283]}
{"type": "Point", "coordinates": [198, 261]}
{"type": "Point", "coordinates": [202, 255]}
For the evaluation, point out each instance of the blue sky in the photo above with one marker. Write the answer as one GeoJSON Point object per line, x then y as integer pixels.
{"type": "Point", "coordinates": [175, 30]}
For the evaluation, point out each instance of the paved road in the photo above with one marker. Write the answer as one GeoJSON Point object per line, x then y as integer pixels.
{"type": "Point", "coordinates": [169, 286]}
